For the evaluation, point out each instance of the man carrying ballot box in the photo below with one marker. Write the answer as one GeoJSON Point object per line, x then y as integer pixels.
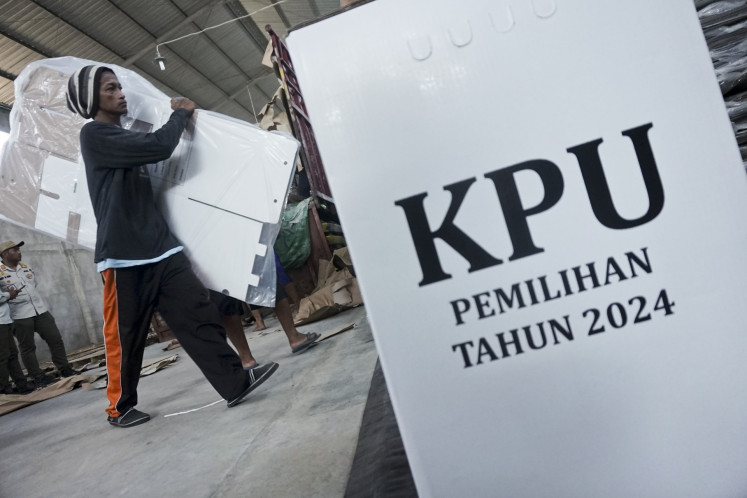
{"type": "Point", "coordinates": [140, 260]}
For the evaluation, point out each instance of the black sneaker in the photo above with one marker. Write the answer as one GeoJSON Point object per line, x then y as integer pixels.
{"type": "Point", "coordinates": [130, 418]}
{"type": "Point", "coordinates": [25, 387]}
{"type": "Point", "coordinates": [7, 389]}
{"type": "Point", "coordinates": [43, 380]}
{"type": "Point", "coordinates": [68, 372]}
{"type": "Point", "coordinates": [254, 378]}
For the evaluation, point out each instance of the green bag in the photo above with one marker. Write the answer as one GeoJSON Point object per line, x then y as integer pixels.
{"type": "Point", "coordinates": [293, 245]}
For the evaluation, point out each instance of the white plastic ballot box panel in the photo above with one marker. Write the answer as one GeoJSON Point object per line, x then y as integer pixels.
{"type": "Point", "coordinates": [545, 207]}
{"type": "Point", "coordinates": [223, 190]}
{"type": "Point", "coordinates": [245, 236]}
{"type": "Point", "coordinates": [242, 188]}
{"type": "Point", "coordinates": [227, 177]}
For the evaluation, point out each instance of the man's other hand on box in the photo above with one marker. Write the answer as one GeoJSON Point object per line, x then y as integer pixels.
{"type": "Point", "coordinates": [183, 103]}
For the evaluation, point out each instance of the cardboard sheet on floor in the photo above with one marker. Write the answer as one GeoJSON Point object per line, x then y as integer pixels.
{"type": "Point", "coordinates": [12, 402]}
{"type": "Point", "coordinates": [154, 365]}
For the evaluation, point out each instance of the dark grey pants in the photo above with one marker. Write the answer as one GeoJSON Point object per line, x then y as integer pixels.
{"type": "Point", "coordinates": [9, 365]}
{"type": "Point", "coordinates": [45, 326]}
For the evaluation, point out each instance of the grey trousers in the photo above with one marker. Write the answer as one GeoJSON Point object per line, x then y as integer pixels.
{"type": "Point", "coordinates": [45, 326]}
{"type": "Point", "coordinates": [9, 365]}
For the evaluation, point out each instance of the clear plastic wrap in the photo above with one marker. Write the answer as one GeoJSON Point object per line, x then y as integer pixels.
{"type": "Point", "coordinates": [222, 191]}
{"type": "Point", "coordinates": [699, 4]}
{"type": "Point", "coordinates": [710, 11]}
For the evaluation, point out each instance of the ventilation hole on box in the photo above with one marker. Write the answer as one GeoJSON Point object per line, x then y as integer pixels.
{"type": "Point", "coordinates": [420, 48]}
{"type": "Point", "coordinates": [544, 9]}
{"type": "Point", "coordinates": [462, 35]}
{"type": "Point", "coordinates": [503, 22]}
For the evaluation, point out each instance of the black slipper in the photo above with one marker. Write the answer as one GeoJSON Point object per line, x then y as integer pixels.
{"type": "Point", "coordinates": [310, 341]}
{"type": "Point", "coordinates": [130, 418]}
{"type": "Point", "coordinates": [255, 377]}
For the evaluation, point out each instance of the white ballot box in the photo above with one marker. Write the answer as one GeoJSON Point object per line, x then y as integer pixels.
{"type": "Point", "coordinates": [223, 190]}
{"type": "Point", "coordinates": [545, 207]}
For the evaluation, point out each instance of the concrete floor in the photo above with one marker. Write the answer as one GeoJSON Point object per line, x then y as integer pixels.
{"type": "Point", "coordinates": [293, 437]}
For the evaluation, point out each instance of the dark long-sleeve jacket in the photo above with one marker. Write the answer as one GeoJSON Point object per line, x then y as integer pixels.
{"type": "Point", "coordinates": [129, 225]}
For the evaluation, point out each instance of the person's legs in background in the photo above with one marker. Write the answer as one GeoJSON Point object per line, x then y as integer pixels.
{"type": "Point", "coordinates": [298, 342]}
{"type": "Point", "coordinates": [9, 365]}
{"type": "Point", "coordinates": [259, 319]}
{"type": "Point", "coordinates": [24, 332]}
{"type": "Point", "coordinates": [47, 329]}
{"type": "Point", "coordinates": [235, 333]}
{"type": "Point", "coordinates": [231, 310]}
{"type": "Point", "coordinates": [288, 286]}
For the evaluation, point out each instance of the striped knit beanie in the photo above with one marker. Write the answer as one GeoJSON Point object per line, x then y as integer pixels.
{"type": "Point", "coordinates": [83, 90]}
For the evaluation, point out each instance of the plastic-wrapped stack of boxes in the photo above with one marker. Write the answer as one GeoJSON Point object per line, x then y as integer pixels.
{"type": "Point", "coordinates": [725, 26]}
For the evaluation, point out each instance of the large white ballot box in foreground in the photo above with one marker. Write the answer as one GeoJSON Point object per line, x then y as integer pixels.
{"type": "Point", "coordinates": [545, 206]}
{"type": "Point", "coordinates": [223, 190]}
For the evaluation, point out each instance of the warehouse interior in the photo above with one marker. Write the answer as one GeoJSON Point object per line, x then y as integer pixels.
{"type": "Point", "coordinates": [229, 56]}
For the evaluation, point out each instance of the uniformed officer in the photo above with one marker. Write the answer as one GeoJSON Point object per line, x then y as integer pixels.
{"type": "Point", "coordinates": [30, 314]}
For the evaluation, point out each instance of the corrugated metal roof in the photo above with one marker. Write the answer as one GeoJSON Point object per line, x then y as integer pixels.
{"type": "Point", "coordinates": [219, 69]}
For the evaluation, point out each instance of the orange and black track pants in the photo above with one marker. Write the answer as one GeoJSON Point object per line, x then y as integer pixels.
{"type": "Point", "coordinates": [171, 287]}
